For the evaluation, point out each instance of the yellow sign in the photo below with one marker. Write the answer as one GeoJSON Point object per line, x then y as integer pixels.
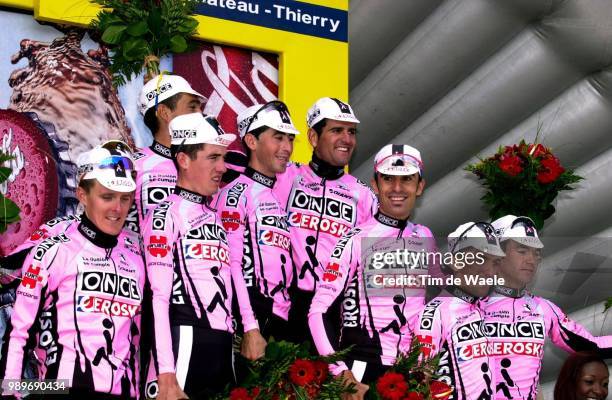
{"type": "Point", "coordinates": [312, 63]}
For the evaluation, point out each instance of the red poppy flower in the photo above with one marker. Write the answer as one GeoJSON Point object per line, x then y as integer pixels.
{"type": "Point", "coordinates": [440, 390]}
{"type": "Point", "coordinates": [302, 372]}
{"type": "Point", "coordinates": [239, 394]}
{"type": "Point", "coordinates": [392, 386]}
{"type": "Point", "coordinates": [414, 396]}
{"type": "Point", "coordinates": [550, 169]}
{"type": "Point", "coordinates": [321, 371]}
{"type": "Point", "coordinates": [512, 165]}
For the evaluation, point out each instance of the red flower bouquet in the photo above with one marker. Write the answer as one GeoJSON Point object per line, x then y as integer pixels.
{"type": "Point", "coordinates": [288, 371]}
{"type": "Point", "coordinates": [410, 378]}
{"type": "Point", "coordinates": [523, 179]}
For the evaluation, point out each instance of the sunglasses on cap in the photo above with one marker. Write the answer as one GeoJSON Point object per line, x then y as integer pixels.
{"type": "Point", "coordinates": [523, 221]}
{"type": "Point", "coordinates": [115, 145]}
{"type": "Point", "coordinates": [274, 105]}
{"type": "Point", "coordinates": [401, 160]}
{"type": "Point", "coordinates": [485, 227]}
{"type": "Point", "coordinates": [113, 162]}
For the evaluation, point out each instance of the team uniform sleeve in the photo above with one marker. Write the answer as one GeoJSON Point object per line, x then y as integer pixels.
{"type": "Point", "coordinates": [338, 272]}
{"type": "Point", "coordinates": [39, 278]}
{"type": "Point", "coordinates": [571, 336]}
{"type": "Point", "coordinates": [368, 203]}
{"type": "Point", "coordinates": [234, 219]}
{"type": "Point", "coordinates": [159, 241]}
{"type": "Point", "coordinates": [429, 328]}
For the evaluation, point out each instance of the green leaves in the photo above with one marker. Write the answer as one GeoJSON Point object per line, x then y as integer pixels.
{"type": "Point", "coordinates": [138, 29]}
{"type": "Point", "coordinates": [9, 211]}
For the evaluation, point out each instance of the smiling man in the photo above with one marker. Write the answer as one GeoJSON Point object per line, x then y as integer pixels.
{"type": "Point", "coordinates": [188, 266]}
{"type": "Point", "coordinates": [256, 221]}
{"type": "Point", "coordinates": [517, 349]}
{"type": "Point", "coordinates": [373, 323]}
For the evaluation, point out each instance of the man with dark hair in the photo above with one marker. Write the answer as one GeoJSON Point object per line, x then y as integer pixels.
{"type": "Point", "coordinates": [188, 266]}
{"type": "Point", "coordinates": [161, 99]}
{"type": "Point", "coordinates": [256, 220]}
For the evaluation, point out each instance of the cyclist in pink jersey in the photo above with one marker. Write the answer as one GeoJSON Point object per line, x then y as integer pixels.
{"type": "Point", "coordinates": [452, 324]}
{"type": "Point", "coordinates": [374, 323]}
{"type": "Point", "coordinates": [519, 322]}
{"type": "Point", "coordinates": [255, 218]}
{"type": "Point", "coordinates": [82, 289]}
{"type": "Point", "coordinates": [161, 99]}
{"type": "Point", "coordinates": [188, 265]}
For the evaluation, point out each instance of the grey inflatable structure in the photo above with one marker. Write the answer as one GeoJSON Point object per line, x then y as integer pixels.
{"type": "Point", "coordinates": [458, 78]}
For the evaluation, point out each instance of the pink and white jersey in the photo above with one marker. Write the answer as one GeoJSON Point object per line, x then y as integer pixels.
{"type": "Point", "coordinates": [155, 180]}
{"type": "Point", "coordinates": [323, 204]}
{"type": "Point", "coordinates": [256, 224]}
{"type": "Point", "coordinates": [375, 324]}
{"type": "Point", "coordinates": [517, 324]}
{"type": "Point", "coordinates": [453, 324]}
{"type": "Point", "coordinates": [188, 265]}
{"type": "Point", "coordinates": [10, 266]}
{"type": "Point", "coordinates": [82, 291]}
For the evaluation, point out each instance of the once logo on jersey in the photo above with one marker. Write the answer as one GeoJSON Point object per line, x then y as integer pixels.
{"type": "Point", "coordinates": [208, 232]}
{"type": "Point", "coordinates": [339, 248]}
{"type": "Point", "coordinates": [350, 305]}
{"type": "Point", "coordinates": [427, 316]}
{"type": "Point", "coordinates": [472, 351]}
{"type": "Point", "coordinates": [105, 306]}
{"type": "Point", "coordinates": [156, 195]}
{"type": "Point", "coordinates": [323, 206]}
{"type": "Point", "coordinates": [234, 193]}
{"type": "Point", "coordinates": [110, 283]}
{"type": "Point", "coordinates": [158, 246]}
{"type": "Point", "coordinates": [31, 277]}
{"type": "Point", "coordinates": [46, 244]}
{"type": "Point", "coordinates": [314, 223]}
{"type": "Point", "coordinates": [264, 180]}
{"type": "Point", "coordinates": [206, 252]}
{"type": "Point", "coordinates": [331, 272]}
{"type": "Point", "coordinates": [471, 331]}
{"type": "Point", "coordinates": [159, 216]}
{"type": "Point", "coordinates": [230, 220]}
{"type": "Point", "coordinates": [275, 221]}
{"type": "Point", "coordinates": [271, 238]}
{"type": "Point", "coordinates": [523, 329]}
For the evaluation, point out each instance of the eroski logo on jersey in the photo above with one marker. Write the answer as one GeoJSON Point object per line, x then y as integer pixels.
{"type": "Point", "coordinates": [206, 252]}
{"type": "Point", "coordinates": [233, 194]}
{"type": "Point", "coordinates": [46, 244]}
{"type": "Point", "coordinates": [323, 205]}
{"type": "Point", "coordinates": [106, 306]}
{"type": "Point", "coordinates": [427, 316]}
{"type": "Point", "coordinates": [109, 283]}
{"type": "Point", "coordinates": [350, 305]}
{"type": "Point", "coordinates": [313, 223]}
{"type": "Point", "coordinates": [276, 239]}
{"type": "Point", "coordinates": [156, 195]}
{"type": "Point", "coordinates": [208, 232]}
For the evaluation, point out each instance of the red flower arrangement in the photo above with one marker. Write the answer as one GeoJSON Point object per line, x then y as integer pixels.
{"type": "Point", "coordinates": [410, 378]}
{"type": "Point", "coordinates": [523, 179]}
{"type": "Point", "coordinates": [289, 372]}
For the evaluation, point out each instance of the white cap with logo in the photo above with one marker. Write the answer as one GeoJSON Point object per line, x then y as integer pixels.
{"type": "Point", "coordinates": [112, 168]}
{"type": "Point", "coordinates": [163, 87]}
{"type": "Point", "coordinates": [273, 114]}
{"type": "Point", "coordinates": [398, 159]}
{"type": "Point", "coordinates": [196, 128]}
{"type": "Point", "coordinates": [479, 235]}
{"type": "Point", "coordinates": [520, 229]}
{"type": "Point", "coordinates": [331, 108]}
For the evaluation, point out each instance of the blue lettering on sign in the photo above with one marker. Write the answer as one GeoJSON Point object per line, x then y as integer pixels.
{"type": "Point", "coordinates": [286, 15]}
